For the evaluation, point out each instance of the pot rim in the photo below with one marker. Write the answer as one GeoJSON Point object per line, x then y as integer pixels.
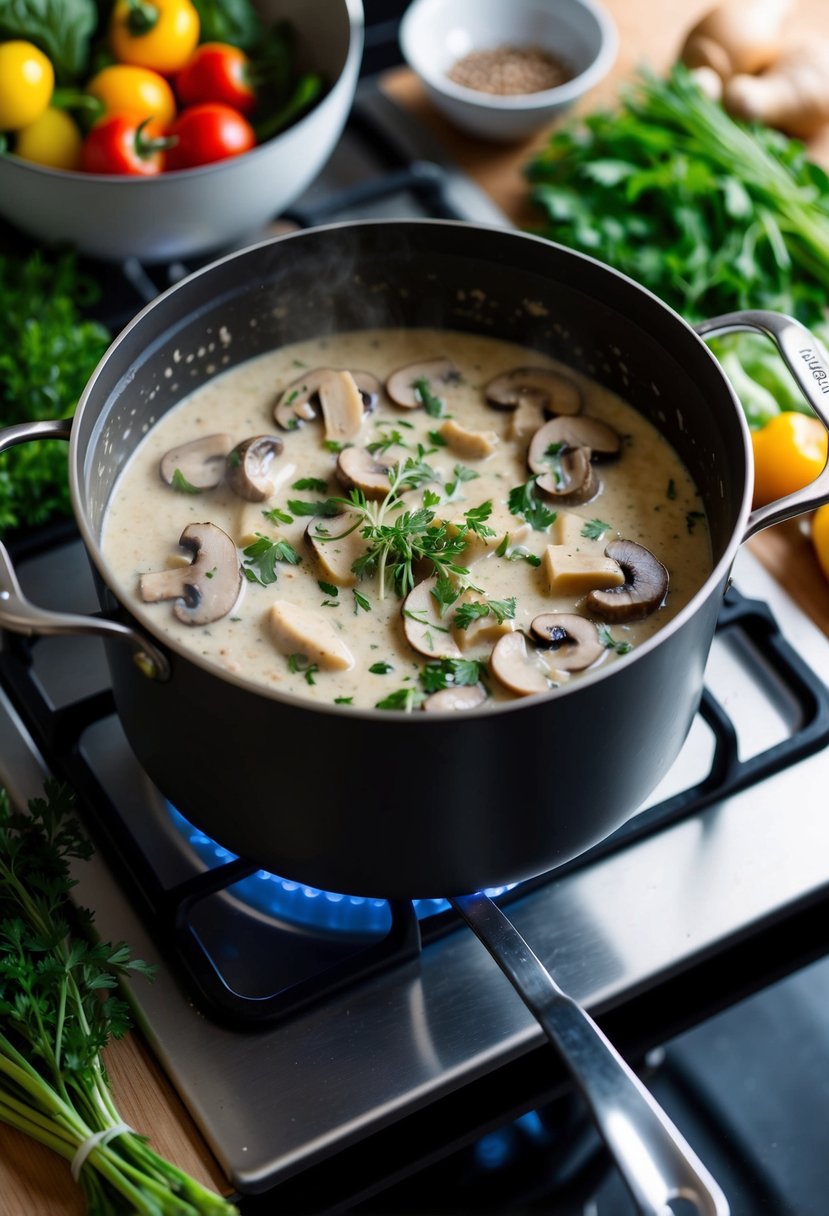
{"type": "Point", "coordinates": [716, 577]}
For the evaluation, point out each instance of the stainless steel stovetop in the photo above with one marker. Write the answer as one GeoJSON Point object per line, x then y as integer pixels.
{"type": "Point", "coordinates": [277, 1100]}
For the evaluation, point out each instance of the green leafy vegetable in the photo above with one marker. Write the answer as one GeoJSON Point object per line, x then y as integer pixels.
{"type": "Point", "coordinates": [233, 21]}
{"type": "Point", "coordinates": [315, 484]}
{"type": "Point", "coordinates": [433, 405]}
{"type": "Point", "coordinates": [47, 353]}
{"type": "Point", "coordinates": [610, 643]}
{"type": "Point", "coordinates": [708, 213]}
{"type": "Point", "coordinates": [54, 1024]}
{"type": "Point", "coordinates": [327, 506]}
{"type": "Point", "coordinates": [301, 663]}
{"type": "Point", "coordinates": [62, 29]}
{"type": "Point", "coordinates": [275, 516]}
{"type": "Point", "coordinates": [380, 669]}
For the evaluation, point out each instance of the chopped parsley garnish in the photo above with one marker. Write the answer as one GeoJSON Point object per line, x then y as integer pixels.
{"type": "Point", "coordinates": [501, 551]}
{"type": "Point", "coordinates": [502, 610]}
{"type": "Point", "coordinates": [524, 501]}
{"type": "Point", "coordinates": [445, 593]}
{"type": "Point", "coordinates": [406, 699]}
{"type": "Point", "coordinates": [275, 516]}
{"type": "Point", "coordinates": [343, 700]}
{"type": "Point", "coordinates": [179, 482]}
{"type": "Point", "coordinates": [433, 405]}
{"type": "Point", "coordinates": [437, 439]}
{"type": "Point", "coordinates": [380, 669]}
{"type": "Point", "coordinates": [325, 506]}
{"type": "Point", "coordinates": [430, 498]}
{"type": "Point", "coordinates": [233, 459]}
{"type": "Point", "coordinates": [462, 474]}
{"type": "Point", "coordinates": [361, 601]}
{"type": "Point", "coordinates": [262, 556]}
{"type": "Point", "coordinates": [328, 588]}
{"type": "Point", "coordinates": [520, 554]}
{"type": "Point", "coordinates": [692, 518]}
{"type": "Point", "coordinates": [392, 439]}
{"type": "Point", "coordinates": [610, 643]}
{"type": "Point", "coordinates": [292, 396]}
{"type": "Point", "coordinates": [476, 518]}
{"type": "Point", "coordinates": [594, 529]}
{"type": "Point", "coordinates": [316, 484]}
{"type": "Point", "coordinates": [442, 673]}
{"type": "Point", "coordinates": [301, 663]}
{"type": "Point", "coordinates": [553, 456]}
{"type": "Point", "coordinates": [333, 445]}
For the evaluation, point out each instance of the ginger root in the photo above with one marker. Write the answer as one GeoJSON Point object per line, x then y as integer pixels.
{"type": "Point", "coordinates": [737, 36]}
{"type": "Point", "coordinates": [793, 96]}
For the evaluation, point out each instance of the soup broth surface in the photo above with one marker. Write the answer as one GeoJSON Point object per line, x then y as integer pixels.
{"type": "Point", "coordinates": [508, 579]}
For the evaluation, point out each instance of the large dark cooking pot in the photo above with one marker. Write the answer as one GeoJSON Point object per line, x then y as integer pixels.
{"type": "Point", "coordinates": [383, 803]}
{"type": "Point", "coordinates": [388, 804]}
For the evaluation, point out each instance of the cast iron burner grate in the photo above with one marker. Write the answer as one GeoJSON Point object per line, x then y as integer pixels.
{"type": "Point", "coordinates": [198, 911]}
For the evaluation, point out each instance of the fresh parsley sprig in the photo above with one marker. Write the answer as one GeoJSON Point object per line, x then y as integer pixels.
{"type": "Point", "coordinates": [524, 501]}
{"type": "Point", "coordinates": [261, 557]}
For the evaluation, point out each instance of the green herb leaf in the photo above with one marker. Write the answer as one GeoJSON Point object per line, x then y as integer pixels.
{"type": "Point", "coordinates": [524, 501]}
{"type": "Point", "coordinates": [328, 588]}
{"type": "Point", "coordinates": [380, 669]}
{"type": "Point", "coordinates": [301, 663]}
{"type": "Point", "coordinates": [327, 506]}
{"type": "Point", "coordinates": [180, 483]}
{"type": "Point", "coordinates": [466, 613]}
{"type": "Point", "coordinates": [406, 699]}
{"type": "Point", "coordinates": [442, 673]}
{"type": "Point", "coordinates": [275, 516]}
{"type": "Point", "coordinates": [316, 484]}
{"type": "Point", "coordinates": [434, 405]}
{"type": "Point", "coordinates": [361, 601]}
{"type": "Point", "coordinates": [594, 529]}
{"type": "Point", "coordinates": [609, 642]}
{"type": "Point", "coordinates": [343, 700]}
{"type": "Point", "coordinates": [261, 557]}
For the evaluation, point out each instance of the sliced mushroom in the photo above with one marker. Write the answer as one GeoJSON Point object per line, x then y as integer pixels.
{"type": "Point", "coordinates": [554, 393]}
{"type": "Point", "coordinates": [573, 480]}
{"type": "Point", "coordinates": [401, 385]}
{"type": "Point", "coordinates": [573, 639]}
{"type": "Point", "coordinates": [298, 630]}
{"type": "Point", "coordinates": [575, 571]}
{"type": "Point", "coordinates": [336, 544]}
{"type": "Point", "coordinates": [579, 432]}
{"type": "Point", "coordinates": [456, 697]}
{"type": "Point", "coordinates": [644, 588]}
{"type": "Point", "coordinates": [201, 462]}
{"type": "Point", "coordinates": [425, 631]}
{"type": "Point", "coordinates": [248, 466]}
{"type": "Point", "coordinates": [342, 407]}
{"type": "Point", "coordinates": [515, 666]}
{"type": "Point", "coordinates": [205, 590]}
{"type": "Point", "coordinates": [359, 469]}
{"type": "Point", "coordinates": [300, 400]}
{"type": "Point", "coordinates": [470, 445]}
{"type": "Point", "coordinates": [295, 402]}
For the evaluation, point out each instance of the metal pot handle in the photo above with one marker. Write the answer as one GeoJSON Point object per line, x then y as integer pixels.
{"type": "Point", "coordinates": [18, 615]}
{"type": "Point", "coordinates": [808, 362]}
{"type": "Point", "coordinates": [655, 1161]}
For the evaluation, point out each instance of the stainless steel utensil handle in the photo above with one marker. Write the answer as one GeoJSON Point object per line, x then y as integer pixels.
{"type": "Point", "coordinates": [18, 615]}
{"type": "Point", "coordinates": [808, 362]}
{"type": "Point", "coordinates": [656, 1162]}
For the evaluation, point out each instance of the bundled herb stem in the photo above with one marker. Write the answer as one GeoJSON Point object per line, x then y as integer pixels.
{"type": "Point", "coordinates": [709, 213]}
{"type": "Point", "coordinates": [54, 1023]}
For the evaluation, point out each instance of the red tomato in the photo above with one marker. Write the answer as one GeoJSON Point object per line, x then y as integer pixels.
{"type": "Point", "coordinates": [217, 71]}
{"type": "Point", "coordinates": [207, 132]}
{"type": "Point", "coordinates": [124, 143]}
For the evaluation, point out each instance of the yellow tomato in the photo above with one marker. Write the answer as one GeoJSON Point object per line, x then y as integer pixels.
{"type": "Point", "coordinates": [820, 537]}
{"type": "Point", "coordinates": [53, 139]}
{"type": "Point", "coordinates": [123, 87]}
{"type": "Point", "coordinates": [26, 83]}
{"type": "Point", "coordinates": [789, 452]}
{"type": "Point", "coordinates": [157, 34]}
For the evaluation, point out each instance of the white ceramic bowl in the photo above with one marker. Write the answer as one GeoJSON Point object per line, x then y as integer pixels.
{"type": "Point", "coordinates": [434, 34]}
{"type": "Point", "coordinates": [198, 211]}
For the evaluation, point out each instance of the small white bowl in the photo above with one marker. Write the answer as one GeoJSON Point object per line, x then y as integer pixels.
{"type": "Point", "coordinates": [435, 34]}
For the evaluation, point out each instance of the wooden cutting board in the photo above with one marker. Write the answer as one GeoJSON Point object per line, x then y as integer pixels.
{"type": "Point", "coordinates": [32, 1179]}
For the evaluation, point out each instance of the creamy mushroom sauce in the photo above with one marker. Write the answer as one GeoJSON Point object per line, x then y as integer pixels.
{"type": "Point", "coordinates": [646, 495]}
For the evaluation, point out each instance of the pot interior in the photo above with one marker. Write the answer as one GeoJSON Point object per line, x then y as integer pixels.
{"type": "Point", "coordinates": [414, 273]}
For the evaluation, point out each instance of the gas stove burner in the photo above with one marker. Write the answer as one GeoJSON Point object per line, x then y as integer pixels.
{"type": "Point", "coordinates": [296, 903]}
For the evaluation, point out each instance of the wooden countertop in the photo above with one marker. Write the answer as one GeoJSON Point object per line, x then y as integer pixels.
{"type": "Point", "coordinates": [35, 1181]}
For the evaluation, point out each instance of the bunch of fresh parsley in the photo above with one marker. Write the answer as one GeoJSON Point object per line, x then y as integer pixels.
{"type": "Point", "coordinates": [54, 1023]}
{"type": "Point", "coordinates": [710, 214]}
{"type": "Point", "coordinates": [48, 350]}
